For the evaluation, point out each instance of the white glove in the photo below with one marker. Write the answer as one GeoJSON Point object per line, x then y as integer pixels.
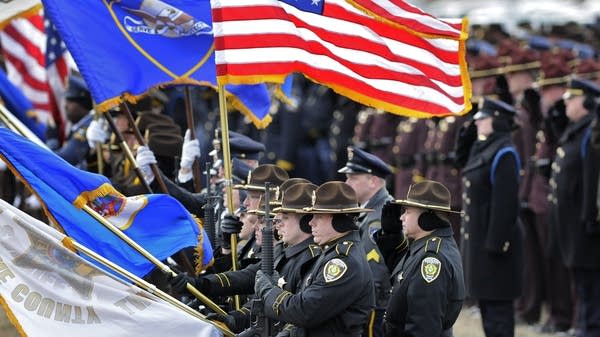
{"type": "Point", "coordinates": [33, 203]}
{"type": "Point", "coordinates": [97, 132]}
{"type": "Point", "coordinates": [144, 158]}
{"type": "Point", "coordinates": [189, 152]}
{"type": "Point", "coordinates": [2, 166]}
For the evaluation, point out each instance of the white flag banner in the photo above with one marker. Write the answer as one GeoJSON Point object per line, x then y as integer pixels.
{"type": "Point", "coordinates": [51, 291]}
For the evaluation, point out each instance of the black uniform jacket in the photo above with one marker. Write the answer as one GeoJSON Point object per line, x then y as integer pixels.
{"type": "Point", "coordinates": [574, 186]}
{"type": "Point", "coordinates": [429, 288]}
{"type": "Point", "coordinates": [290, 263]}
{"type": "Point", "coordinates": [491, 240]}
{"type": "Point", "coordinates": [336, 296]}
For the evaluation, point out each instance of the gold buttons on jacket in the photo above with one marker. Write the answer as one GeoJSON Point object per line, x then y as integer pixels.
{"type": "Point", "coordinates": [506, 246]}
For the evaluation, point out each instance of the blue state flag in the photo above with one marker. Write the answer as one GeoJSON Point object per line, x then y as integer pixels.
{"type": "Point", "coordinates": [157, 222]}
{"type": "Point", "coordinates": [125, 47]}
{"type": "Point", "coordinates": [20, 106]}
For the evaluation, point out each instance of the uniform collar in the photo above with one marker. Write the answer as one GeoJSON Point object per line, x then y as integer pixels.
{"type": "Point", "coordinates": [295, 249]}
{"type": "Point", "coordinates": [416, 245]}
{"type": "Point", "coordinates": [351, 236]}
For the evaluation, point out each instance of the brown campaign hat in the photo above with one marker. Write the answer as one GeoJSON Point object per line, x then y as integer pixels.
{"type": "Point", "coordinates": [262, 174]}
{"type": "Point", "coordinates": [147, 118]}
{"type": "Point", "coordinates": [428, 194]}
{"type": "Point", "coordinates": [165, 144]}
{"type": "Point", "coordinates": [286, 184]}
{"type": "Point", "coordinates": [296, 198]}
{"type": "Point", "coordinates": [334, 197]}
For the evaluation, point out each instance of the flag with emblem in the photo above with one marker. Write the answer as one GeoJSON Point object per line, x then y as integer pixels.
{"type": "Point", "coordinates": [124, 48]}
{"type": "Point", "coordinates": [37, 63]}
{"type": "Point", "coordinates": [47, 290]}
{"type": "Point", "coordinates": [337, 45]}
{"type": "Point", "coordinates": [157, 222]}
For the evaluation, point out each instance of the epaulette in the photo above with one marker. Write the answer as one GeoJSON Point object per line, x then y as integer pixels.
{"type": "Point", "coordinates": [433, 245]}
{"type": "Point", "coordinates": [314, 249]}
{"type": "Point", "coordinates": [343, 248]}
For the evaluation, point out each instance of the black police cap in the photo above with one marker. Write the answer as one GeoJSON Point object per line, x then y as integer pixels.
{"type": "Point", "coordinates": [76, 88]}
{"type": "Point", "coordinates": [244, 147]}
{"type": "Point", "coordinates": [360, 161]}
{"type": "Point", "coordinates": [489, 107]}
{"type": "Point", "coordinates": [240, 170]}
{"type": "Point", "coordinates": [582, 87]}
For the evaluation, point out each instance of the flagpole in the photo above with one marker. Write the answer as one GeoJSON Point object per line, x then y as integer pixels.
{"type": "Point", "coordinates": [164, 268]}
{"type": "Point", "coordinates": [142, 142]}
{"type": "Point", "coordinates": [16, 125]}
{"type": "Point", "coordinates": [151, 288]}
{"type": "Point", "coordinates": [127, 151]}
{"type": "Point", "coordinates": [129, 241]}
{"type": "Point", "coordinates": [189, 113]}
{"type": "Point", "coordinates": [228, 180]}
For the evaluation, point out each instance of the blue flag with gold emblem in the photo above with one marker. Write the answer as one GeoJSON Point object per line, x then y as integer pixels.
{"type": "Point", "coordinates": [125, 47]}
{"type": "Point", "coordinates": [157, 222]}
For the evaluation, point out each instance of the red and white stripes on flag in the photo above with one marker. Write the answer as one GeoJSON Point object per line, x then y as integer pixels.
{"type": "Point", "coordinates": [407, 16]}
{"type": "Point", "coordinates": [40, 76]}
{"type": "Point", "coordinates": [343, 48]}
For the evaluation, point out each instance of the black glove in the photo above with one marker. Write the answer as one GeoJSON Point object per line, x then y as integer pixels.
{"type": "Point", "coordinates": [230, 224]}
{"type": "Point", "coordinates": [179, 283]}
{"type": "Point", "coordinates": [467, 135]}
{"type": "Point", "coordinates": [262, 284]}
{"type": "Point", "coordinates": [227, 319]}
{"type": "Point", "coordinates": [390, 218]}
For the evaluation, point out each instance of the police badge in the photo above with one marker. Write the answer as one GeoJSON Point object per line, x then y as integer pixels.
{"type": "Point", "coordinates": [334, 270]}
{"type": "Point", "coordinates": [430, 269]}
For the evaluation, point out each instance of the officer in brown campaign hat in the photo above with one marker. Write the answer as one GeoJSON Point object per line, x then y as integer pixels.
{"type": "Point", "coordinates": [428, 289]}
{"type": "Point", "coordinates": [336, 297]}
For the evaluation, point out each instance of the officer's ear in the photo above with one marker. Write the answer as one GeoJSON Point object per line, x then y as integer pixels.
{"type": "Point", "coordinates": [304, 220]}
{"type": "Point", "coordinates": [343, 222]}
{"type": "Point", "coordinates": [429, 221]}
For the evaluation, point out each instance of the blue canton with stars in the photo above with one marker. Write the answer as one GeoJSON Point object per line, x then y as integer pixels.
{"type": "Point", "coordinates": [55, 47]}
{"type": "Point", "coordinates": [312, 6]}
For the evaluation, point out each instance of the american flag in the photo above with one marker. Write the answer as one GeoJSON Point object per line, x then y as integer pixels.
{"type": "Point", "coordinates": [37, 63]}
{"type": "Point", "coordinates": [338, 45]}
{"type": "Point", "coordinates": [407, 16]}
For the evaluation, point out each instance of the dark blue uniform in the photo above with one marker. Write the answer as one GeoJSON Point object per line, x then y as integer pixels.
{"type": "Point", "coordinates": [336, 297]}
{"type": "Point", "coordinates": [428, 288]}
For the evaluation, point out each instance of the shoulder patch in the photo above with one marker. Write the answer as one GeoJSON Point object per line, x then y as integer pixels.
{"type": "Point", "coordinates": [373, 255]}
{"type": "Point", "coordinates": [334, 270]}
{"type": "Point", "coordinates": [430, 268]}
